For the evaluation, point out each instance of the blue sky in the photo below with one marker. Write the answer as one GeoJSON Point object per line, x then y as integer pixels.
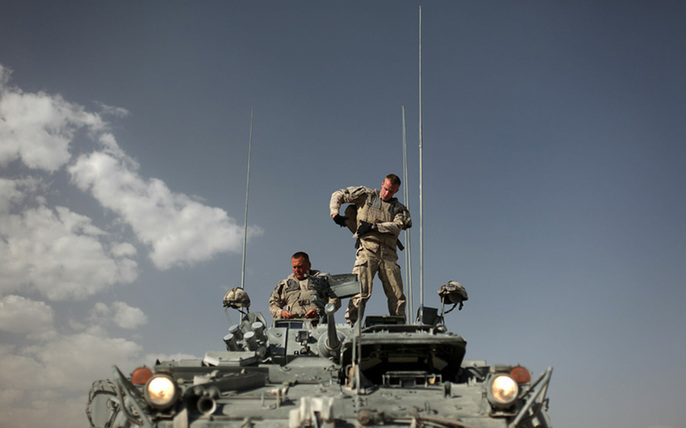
{"type": "Point", "coordinates": [553, 182]}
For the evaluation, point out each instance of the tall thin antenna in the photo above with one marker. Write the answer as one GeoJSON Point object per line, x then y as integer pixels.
{"type": "Point", "coordinates": [408, 253]}
{"type": "Point", "coordinates": [247, 193]}
{"type": "Point", "coordinates": [421, 174]}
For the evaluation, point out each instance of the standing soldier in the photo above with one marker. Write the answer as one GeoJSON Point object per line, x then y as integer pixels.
{"type": "Point", "coordinates": [379, 220]}
{"type": "Point", "coordinates": [292, 297]}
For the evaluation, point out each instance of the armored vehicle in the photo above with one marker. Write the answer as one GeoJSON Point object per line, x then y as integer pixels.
{"type": "Point", "coordinates": [302, 373]}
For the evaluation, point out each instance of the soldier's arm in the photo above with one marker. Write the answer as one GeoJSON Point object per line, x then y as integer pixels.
{"type": "Point", "coordinates": [400, 222]}
{"type": "Point", "coordinates": [275, 302]}
{"type": "Point", "coordinates": [353, 195]}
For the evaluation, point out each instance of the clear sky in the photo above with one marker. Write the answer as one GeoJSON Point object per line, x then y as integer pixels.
{"type": "Point", "coordinates": [554, 153]}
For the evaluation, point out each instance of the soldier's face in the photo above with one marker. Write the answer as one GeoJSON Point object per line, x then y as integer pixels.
{"type": "Point", "coordinates": [300, 268]}
{"type": "Point", "coordinates": [388, 190]}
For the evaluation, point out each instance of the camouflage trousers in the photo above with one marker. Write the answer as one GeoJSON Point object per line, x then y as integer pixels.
{"type": "Point", "coordinates": [373, 258]}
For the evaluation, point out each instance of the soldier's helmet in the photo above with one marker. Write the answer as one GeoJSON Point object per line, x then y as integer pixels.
{"type": "Point", "coordinates": [236, 298]}
{"type": "Point", "coordinates": [453, 292]}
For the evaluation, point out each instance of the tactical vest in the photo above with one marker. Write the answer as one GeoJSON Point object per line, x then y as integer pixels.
{"type": "Point", "coordinates": [303, 301]}
{"type": "Point", "coordinates": [375, 210]}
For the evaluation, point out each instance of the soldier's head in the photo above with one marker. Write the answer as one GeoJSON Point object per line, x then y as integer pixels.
{"type": "Point", "coordinates": [301, 264]}
{"type": "Point", "coordinates": [389, 187]}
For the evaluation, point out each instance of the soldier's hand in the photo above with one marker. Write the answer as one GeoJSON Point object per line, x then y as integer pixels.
{"type": "Point", "coordinates": [340, 219]}
{"type": "Point", "coordinates": [364, 228]}
{"type": "Point", "coordinates": [312, 314]}
{"type": "Point", "coordinates": [286, 314]}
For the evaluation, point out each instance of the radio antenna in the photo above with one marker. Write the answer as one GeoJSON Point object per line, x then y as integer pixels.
{"type": "Point", "coordinates": [247, 192]}
{"type": "Point", "coordinates": [421, 174]}
{"type": "Point", "coordinates": [408, 253]}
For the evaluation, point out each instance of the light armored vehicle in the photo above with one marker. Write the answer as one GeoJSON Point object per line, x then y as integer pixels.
{"type": "Point", "coordinates": [316, 373]}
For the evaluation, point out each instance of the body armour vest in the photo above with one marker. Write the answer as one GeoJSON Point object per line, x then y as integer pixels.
{"type": "Point", "coordinates": [375, 210]}
{"type": "Point", "coordinates": [299, 301]}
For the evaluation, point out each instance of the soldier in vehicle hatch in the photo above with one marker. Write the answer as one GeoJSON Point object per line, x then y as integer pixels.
{"type": "Point", "coordinates": [378, 220]}
{"type": "Point", "coordinates": [292, 297]}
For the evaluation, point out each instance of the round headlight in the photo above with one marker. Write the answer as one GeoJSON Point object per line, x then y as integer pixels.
{"type": "Point", "coordinates": [503, 391]}
{"type": "Point", "coordinates": [160, 391]}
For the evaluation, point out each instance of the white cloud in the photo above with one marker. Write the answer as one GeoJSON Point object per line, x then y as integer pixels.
{"type": "Point", "coordinates": [8, 194]}
{"type": "Point", "coordinates": [24, 316]}
{"type": "Point", "coordinates": [126, 316]}
{"type": "Point", "coordinates": [38, 128]}
{"type": "Point", "coordinates": [72, 361]}
{"type": "Point", "coordinates": [56, 251]}
{"type": "Point", "coordinates": [36, 409]}
{"type": "Point", "coordinates": [179, 229]}
{"type": "Point", "coordinates": [62, 254]}
{"type": "Point", "coordinates": [119, 313]}
{"type": "Point", "coordinates": [13, 192]}
{"type": "Point", "coordinates": [48, 382]}
{"type": "Point", "coordinates": [123, 250]}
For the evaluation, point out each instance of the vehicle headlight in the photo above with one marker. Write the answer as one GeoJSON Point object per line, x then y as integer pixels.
{"type": "Point", "coordinates": [161, 391]}
{"type": "Point", "coordinates": [503, 391]}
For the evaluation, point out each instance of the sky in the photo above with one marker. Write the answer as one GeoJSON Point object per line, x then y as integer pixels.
{"type": "Point", "coordinates": [553, 182]}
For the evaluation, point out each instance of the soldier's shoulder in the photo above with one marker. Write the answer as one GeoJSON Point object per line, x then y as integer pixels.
{"type": "Point", "coordinates": [356, 191]}
{"type": "Point", "coordinates": [397, 203]}
{"type": "Point", "coordinates": [284, 281]}
{"type": "Point", "coordinates": [398, 206]}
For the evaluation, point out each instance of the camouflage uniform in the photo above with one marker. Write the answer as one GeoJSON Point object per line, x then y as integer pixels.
{"type": "Point", "coordinates": [376, 251]}
{"type": "Point", "coordinates": [295, 296]}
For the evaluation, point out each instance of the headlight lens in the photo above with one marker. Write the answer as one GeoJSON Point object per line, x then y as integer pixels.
{"type": "Point", "coordinates": [160, 391]}
{"type": "Point", "coordinates": [503, 391]}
